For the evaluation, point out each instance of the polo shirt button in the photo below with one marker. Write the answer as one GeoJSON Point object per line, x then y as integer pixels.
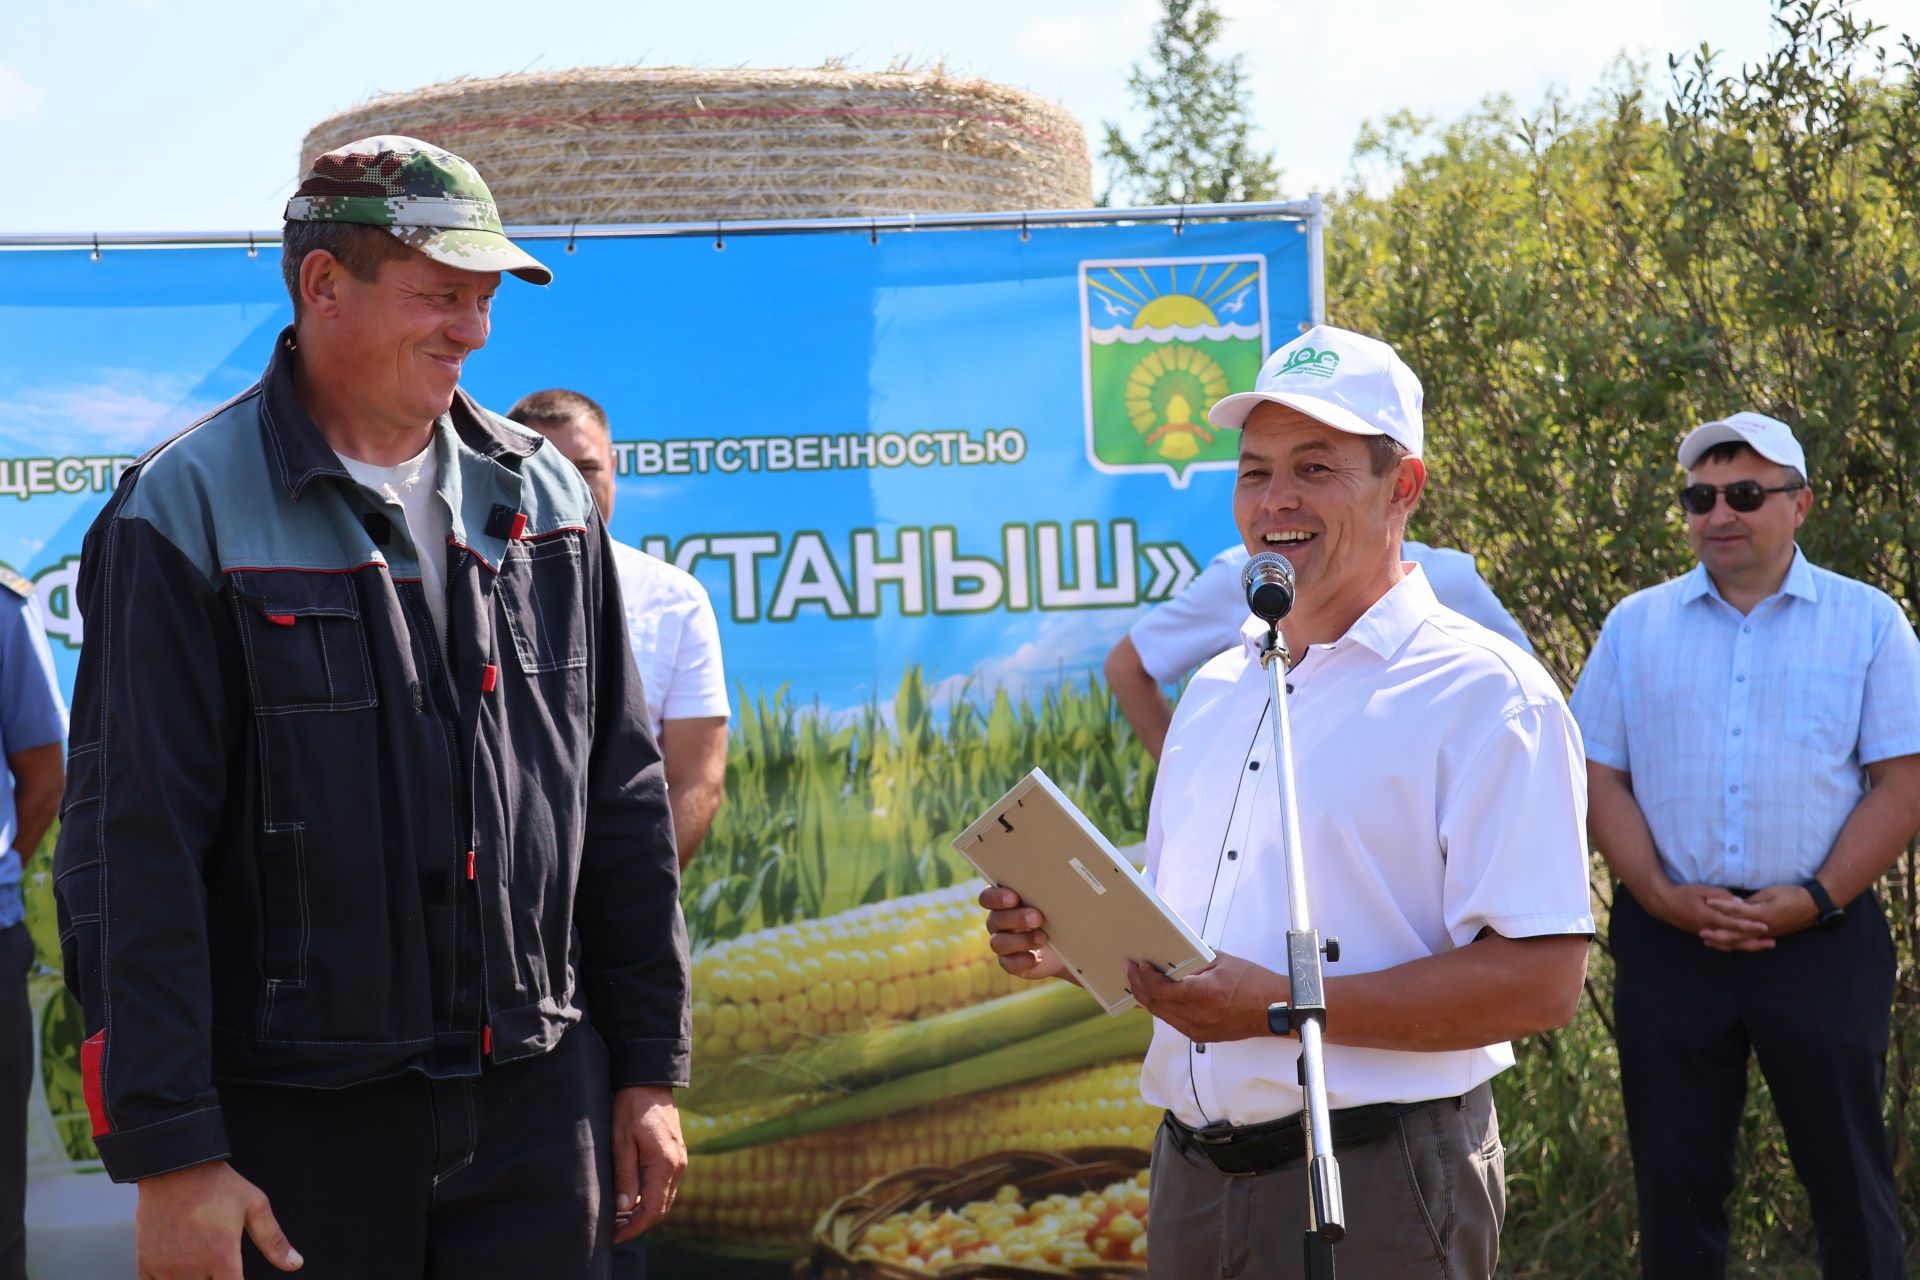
{"type": "Point", "coordinates": [1739, 679]}
{"type": "Point", "coordinates": [1747, 628]}
{"type": "Point", "coordinates": [1736, 733]}
{"type": "Point", "coordinates": [1734, 789]}
{"type": "Point", "coordinates": [1199, 1048]}
{"type": "Point", "coordinates": [1232, 854]}
{"type": "Point", "coordinates": [1253, 765]}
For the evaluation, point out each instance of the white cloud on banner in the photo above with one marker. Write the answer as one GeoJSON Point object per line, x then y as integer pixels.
{"type": "Point", "coordinates": [20, 98]}
{"type": "Point", "coordinates": [1073, 643]}
{"type": "Point", "coordinates": [122, 411]}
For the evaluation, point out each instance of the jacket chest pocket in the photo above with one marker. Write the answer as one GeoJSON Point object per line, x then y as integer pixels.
{"type": "Point", "coordinates": [304, 640]}
{"type": "Point", "coordinates": [543, 599]}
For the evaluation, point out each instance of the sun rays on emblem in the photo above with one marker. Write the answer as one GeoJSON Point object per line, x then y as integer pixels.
{"type": "Point", "coordinates": [1148, 300]}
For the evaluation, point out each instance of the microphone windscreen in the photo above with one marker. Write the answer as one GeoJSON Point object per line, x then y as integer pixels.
{"type": "Point", "coordinates": [1268, 580]}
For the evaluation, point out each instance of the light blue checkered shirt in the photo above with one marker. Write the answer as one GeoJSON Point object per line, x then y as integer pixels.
{"type": "Point", "coordinates": [1747, 736]}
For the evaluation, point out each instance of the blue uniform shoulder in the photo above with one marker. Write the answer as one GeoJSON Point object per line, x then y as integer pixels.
{"type": "Point", "coordinates": [554, 495]}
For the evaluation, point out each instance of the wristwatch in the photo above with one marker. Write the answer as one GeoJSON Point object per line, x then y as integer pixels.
{"type": "Point", "coordinates": [1280, 1019]}
{"type": "Point", "coordinates": [1830, 915]}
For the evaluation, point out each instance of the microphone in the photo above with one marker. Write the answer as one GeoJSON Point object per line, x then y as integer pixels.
{"type": "Point", "coordinates": [1268, 581]}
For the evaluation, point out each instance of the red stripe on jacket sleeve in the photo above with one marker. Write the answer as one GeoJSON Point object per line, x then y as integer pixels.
{"type": "Point", "coordinates": [92, 1050]}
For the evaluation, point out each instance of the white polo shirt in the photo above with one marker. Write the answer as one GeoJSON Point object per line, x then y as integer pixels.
{"type": "Point", "coordinates": [1205, 618]}
{"type": "Point", "coordinates": [676, 642]}
{"type": "Point", "coordinates": [1442, 791]}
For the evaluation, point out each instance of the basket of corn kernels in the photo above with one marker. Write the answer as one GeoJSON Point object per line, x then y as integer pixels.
{"type": "Point", "coordinates": [1008, 1216]}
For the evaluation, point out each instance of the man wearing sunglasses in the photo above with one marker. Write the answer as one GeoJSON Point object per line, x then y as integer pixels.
{"type": "Point", "coordinates": [1753, 756]}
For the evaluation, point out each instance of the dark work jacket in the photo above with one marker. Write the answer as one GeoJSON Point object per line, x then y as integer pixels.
{"type": "Point", "coordinates": [305, 840]}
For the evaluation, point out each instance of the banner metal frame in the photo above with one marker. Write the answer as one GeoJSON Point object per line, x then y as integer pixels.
{"type": "Point", "coordinates": [1310, 213]}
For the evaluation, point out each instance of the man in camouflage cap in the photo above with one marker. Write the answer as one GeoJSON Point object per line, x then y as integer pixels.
{"type": "Point", "coordinates": [367, 880]}
{"type": "Point", "coordinates": [431, 200]}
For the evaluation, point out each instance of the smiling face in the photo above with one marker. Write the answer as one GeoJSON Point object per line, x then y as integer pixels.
{"type": "Point", "coordinates": [1747, 550]}
{"type": "Point", "coordinates": [1309, 492]}
{"type": "Point", "coordinates": [401, 338]}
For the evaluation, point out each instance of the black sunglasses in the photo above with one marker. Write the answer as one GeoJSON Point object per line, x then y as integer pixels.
{"type": "Point", "coordinates": [1742, 495]}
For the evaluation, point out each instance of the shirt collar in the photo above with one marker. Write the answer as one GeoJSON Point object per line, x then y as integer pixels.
{"type": "Point", "coordinates": [302, 453]}
{"type": "Point", "coordinates": [1386, 625]}
{"type": "Point", "coordinates": [1799, 581]}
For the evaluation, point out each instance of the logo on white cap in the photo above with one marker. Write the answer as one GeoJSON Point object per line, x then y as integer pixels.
{"type": "Point", "coordinates": [1321, 364]}
{"type": "Point", "coordinates": [1343, 379]}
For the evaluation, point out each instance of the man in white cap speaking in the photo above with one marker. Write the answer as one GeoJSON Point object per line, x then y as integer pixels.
{"type": "Point", "coordinates": [1753, 750]}
{"type": "Point", "coordinates": [1442, 806]}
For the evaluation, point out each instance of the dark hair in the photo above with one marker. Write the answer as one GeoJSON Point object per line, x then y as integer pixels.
{"type": "Point", "coordinates": [1728, 450]}
{"type": "Point", "coordinates": [556, 407]}
{"type": "Point", "coordinates": [1384, 452]}
{"type": "Point", "coordinates": [362, 250]}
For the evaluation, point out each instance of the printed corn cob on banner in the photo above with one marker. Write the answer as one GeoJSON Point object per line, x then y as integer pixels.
{"type": "Point", "coordinates": [850, 1021]}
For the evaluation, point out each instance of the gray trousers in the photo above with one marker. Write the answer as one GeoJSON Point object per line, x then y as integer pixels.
{"type": "Point", "coordinates": [1426, 1200]}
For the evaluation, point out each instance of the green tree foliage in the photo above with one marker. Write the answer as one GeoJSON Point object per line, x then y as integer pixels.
{"type": "Point", "coordinates": [1578, 287]}
{"type": "Point", "coordinates": [1197, 147]}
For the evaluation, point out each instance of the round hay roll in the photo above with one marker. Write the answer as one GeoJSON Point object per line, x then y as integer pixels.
{"type": "Point", "coordinates": [674, 144]}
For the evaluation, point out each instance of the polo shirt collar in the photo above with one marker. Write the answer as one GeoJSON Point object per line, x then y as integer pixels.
{"type": "Point", "coordinates": [1697, 583]}
{"type": "Point", "coordinates": [1800, 578]}
{"type": "Point", "coordinates": [1386, 625]}
{"type": "Point", "coordinates": [1394, 617]}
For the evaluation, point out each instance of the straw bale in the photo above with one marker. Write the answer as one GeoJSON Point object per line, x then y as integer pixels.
{"type": "Point", "coordinates": [674, 144]}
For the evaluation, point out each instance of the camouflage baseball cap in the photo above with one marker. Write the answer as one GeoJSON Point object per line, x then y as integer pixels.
{"type": "Point", "coordinates": [431, 199]}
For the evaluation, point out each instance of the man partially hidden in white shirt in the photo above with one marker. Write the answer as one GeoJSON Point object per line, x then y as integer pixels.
{"type": "Point", "coordinates": [1753, 746]}
{"type": "Point", "coordinates": [1173, 638]}
{"type": "Point", "coordinates": [1442, 802]}
{"type": "Point", "coordinates": [670, 624]}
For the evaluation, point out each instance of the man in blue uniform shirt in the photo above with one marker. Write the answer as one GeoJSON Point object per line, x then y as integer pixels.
{"type": "Point", "coordinates": [1753, 753]}
{"type": "Point", "coordinates": [33, 720]}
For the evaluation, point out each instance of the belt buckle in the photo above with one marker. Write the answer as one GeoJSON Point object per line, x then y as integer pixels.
{"type": "Point", "coordinates": [1218, 1134]}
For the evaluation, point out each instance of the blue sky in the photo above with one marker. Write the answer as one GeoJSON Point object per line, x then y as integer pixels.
{"type": "Point", "coordinates": [163, 115]}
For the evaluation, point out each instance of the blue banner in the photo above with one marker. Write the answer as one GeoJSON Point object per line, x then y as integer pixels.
{"type": "Point", "coordinates": [961, 449]}
{"type": "Point", "coordinates": [928, 479]}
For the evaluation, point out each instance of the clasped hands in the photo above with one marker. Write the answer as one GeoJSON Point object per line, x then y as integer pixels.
{"type": "Point", "coordinates": [1727, 922]}
{"type": "Point", "coordinates": [1227, 1000]}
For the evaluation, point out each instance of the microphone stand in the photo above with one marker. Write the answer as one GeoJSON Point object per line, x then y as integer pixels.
{"type": "Point", "coordinates": [1307, 1004]}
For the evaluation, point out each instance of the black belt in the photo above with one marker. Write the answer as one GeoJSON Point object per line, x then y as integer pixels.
{"type": "Point", "coordinates": [1262, 1148]}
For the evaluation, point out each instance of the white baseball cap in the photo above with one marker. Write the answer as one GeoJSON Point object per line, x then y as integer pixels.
{"type": "Point", "coordinates": [1339, 378]}
{"type": "Point", "coordinates": [1771, 438]}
